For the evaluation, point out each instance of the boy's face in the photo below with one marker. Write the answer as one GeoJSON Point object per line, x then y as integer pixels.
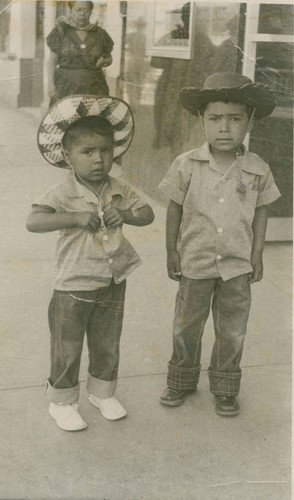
{"type": "Point", "coordinates": [225, 124]}
{"type": "Point", "coordinates": [91, 157]}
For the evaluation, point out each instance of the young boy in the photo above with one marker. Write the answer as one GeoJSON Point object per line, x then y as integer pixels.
{"type": "Point", "coordinates": [93, 259]}
{"type": "Point", "coordinates": [216, 224]}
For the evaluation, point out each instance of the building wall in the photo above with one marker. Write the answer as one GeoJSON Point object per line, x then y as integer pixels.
{"type": "Point", "coordinates": [151, 82]}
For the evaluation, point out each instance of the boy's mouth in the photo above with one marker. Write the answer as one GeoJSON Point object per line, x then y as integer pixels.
{"type": "Point", "coordinates": [97, 172]}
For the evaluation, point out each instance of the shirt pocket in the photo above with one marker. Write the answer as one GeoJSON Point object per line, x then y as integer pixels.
{"type": "Point", "coordinates": [77, 205]}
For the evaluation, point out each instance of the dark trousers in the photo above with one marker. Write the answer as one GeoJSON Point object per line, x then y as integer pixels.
{"type": "Point", "coordinates": [231, 301]}
{"type": "Point", "coordinates": [99, 314]}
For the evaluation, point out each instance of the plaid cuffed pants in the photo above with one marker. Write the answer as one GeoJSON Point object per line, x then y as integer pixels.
{"type": "Point", "coordinates": [231, 301]}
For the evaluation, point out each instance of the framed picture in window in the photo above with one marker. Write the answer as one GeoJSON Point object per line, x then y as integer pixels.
{"type": "Point", "coordinates": [170, 29]}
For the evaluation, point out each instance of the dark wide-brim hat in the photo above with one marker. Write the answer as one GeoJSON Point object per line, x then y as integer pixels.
{"type": "Point", "coordinates": [71, 109]}
{"type": "Point", "coordinates": [229, 87]}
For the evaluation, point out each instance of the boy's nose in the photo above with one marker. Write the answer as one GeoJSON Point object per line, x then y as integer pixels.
{"type": "Point", "coordinates": [224, 124]}
{"type": "Point", "coordinates": [97, 157]}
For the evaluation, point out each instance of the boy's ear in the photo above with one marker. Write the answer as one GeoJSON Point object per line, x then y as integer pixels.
{"type": "Point", "coordinates": [65, 153]}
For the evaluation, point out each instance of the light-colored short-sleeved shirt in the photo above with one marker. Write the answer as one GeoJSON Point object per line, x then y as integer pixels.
{"type": "Point", "coordinates": [86, 261]}
{"type": "Point", "coordinates": [216, 236]}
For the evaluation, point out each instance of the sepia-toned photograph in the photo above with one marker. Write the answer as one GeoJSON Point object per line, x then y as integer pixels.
{"type": "Point", "coordinates": [146, 249]}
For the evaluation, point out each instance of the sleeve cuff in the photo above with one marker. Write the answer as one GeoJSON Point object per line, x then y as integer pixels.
{"type": "Point", "coordinates": [172, 192]}
{"type": "Point", "coordinates": [268, 196]}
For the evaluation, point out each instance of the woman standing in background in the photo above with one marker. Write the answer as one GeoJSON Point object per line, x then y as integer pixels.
{"type": "Point", "coordinates": [79, 51]}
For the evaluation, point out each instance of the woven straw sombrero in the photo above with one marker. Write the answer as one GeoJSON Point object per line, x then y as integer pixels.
{"type": "Point", "coordinates": [70, 109]}
{"type": "Point", "coordinates": [229, 87]}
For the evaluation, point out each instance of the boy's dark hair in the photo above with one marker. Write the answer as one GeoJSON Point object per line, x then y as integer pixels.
{"type": "Point", "coordinates": [249, 109]}
{"type": "Point", "coordinates": [87, 125]}
{"type": "Point", "coordinates": [71, 4]}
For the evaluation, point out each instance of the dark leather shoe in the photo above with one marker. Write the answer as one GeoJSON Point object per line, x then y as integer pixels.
{"type": "Point", "coordinates": [173, 397]}
{"type": "Point", "coordinates": [227, 406]}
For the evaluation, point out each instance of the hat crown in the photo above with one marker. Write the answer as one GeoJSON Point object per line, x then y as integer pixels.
{"type": "Point", "coordinates": [226, 80]}
{"type": "Point", "coordinates": [72, 108]}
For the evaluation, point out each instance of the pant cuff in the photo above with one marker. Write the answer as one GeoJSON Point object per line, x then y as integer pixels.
{"type": "Point", "coordinates": [183, 379]}
{"type": "Point", "coordinates": [62, 396]}
{"type": "Point", "coordinates": [101, 388]}
{"type": "Point", "coordinates": [224, 384]}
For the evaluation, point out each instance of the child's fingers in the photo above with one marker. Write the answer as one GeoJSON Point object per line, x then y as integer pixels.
{"type": "Point", "coordinates": [116, 219]}
{"type": "Point", "coordinates": [174, 273]}
{"type": "Point", "coordinates": [255, 277]}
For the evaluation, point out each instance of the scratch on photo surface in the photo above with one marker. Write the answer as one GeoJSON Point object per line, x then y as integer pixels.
{"type": "Point", "coordinates": [7, 7]}
{"type": "Point", "coordinates": [247, 482]}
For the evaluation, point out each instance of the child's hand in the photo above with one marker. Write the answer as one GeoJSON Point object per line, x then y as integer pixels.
{"type": "Point", "coordinates": [256, 262]}
{"type": "Point", "coordinates": [112, 217]}
{"type": "Point", "coordinates": [174, 266]}
{"type": "Point", "coordinates": [87, 220]}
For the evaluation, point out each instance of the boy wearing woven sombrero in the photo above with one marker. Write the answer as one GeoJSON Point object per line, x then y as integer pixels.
{"type": "Point", "coordinates": [93, 258]}
{"type": "Point", "coordinates": [216, 224]}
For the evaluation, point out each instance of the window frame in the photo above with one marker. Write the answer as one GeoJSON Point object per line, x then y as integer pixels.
{"type": "Point", "coordinates": [173, 51]}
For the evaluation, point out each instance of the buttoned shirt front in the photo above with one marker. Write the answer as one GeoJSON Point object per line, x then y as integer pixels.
{"type": "Point", "coordinates": [86, 261]}
{"type": "Point", "coordinates": [216, 235]}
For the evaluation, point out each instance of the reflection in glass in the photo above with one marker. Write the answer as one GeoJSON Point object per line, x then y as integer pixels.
{"type": "Point", "coordinates": [172, 25]}
{"type": "Point", "coordinates": [276, 19]}
{"type": "Point", "coordinates": [274, 66]}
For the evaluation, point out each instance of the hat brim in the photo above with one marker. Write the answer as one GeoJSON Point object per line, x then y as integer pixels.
{"type": "Point", "coordinates": [71, 109]}
{"type": "Point", "coordinates": [256, 95]}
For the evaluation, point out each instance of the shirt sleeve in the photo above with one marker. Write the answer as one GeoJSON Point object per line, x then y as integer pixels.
{"type": "Point", "coordinates": [132, 200]}
{"type": "Point", "coordinates": [177, 181]}
{"type": "Point", "coordinates": [107, 42]}
{"type": "Point", "coordinates": [267, 190]}
{"type": "Point", "coordinates": [50, 199]}
{"type": "Point", "coordinates": [55, 39]}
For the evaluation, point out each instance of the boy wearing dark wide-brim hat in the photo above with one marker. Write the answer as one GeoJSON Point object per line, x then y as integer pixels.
{"type": "Point", "coordinates": [93, 259]}
{"type": "Point", "coordinates": [216, 225]}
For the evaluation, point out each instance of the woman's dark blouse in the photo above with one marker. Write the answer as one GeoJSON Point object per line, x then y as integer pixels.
{"type": "Point", "coordinates": [76, 54]}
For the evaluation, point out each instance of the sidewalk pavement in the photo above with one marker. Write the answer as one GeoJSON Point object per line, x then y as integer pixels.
{"type": "Point", "coordinates": [156, 453]}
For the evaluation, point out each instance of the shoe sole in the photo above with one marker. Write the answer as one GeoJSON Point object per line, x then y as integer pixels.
{"type": "Point", "coordinates": [172, 403]}
{"type": "Point", "coordinates": [227, 413]}
{"type": "Point", "coordinates": [103, 414]}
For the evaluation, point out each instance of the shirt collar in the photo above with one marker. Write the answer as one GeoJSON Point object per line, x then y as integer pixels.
{"type": "Point", "coordinates": [78, 190]}
{"type": "Point", "coordinates": [251, 163]}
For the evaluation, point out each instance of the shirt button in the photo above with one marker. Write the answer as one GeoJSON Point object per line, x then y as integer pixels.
{"type": "Point", "coordinates": [218, 257]}
{"type": "Point", "coordinates": [100, 214]}
{"type": "Point", "coordinates": [110, 261]}
{"type": "Point", "coordinates": [221, 200]}
{"type": "Point", "coordinates": [220, 230]}
{"type": "Point", "coordinates": [105, 237]}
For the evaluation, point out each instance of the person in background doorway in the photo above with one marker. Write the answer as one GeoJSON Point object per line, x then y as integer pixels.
{"type": "Point", "coordinates": [79, 52]}
{"type": "Point", "coordinates": [136, 57]}
{"type": "Point", "coordinates": [176, 74]}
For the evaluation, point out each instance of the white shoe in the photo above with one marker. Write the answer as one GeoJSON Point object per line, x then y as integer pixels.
{"type": "Point", "coordinates": [67, 417]}
{"type": "Point", "coordinates": [110, 407]}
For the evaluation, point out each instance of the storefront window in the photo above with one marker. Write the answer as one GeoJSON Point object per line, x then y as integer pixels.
{"type": "Point", "coordinates": [274, 66]}
{"type": "Point", "coordinates": [276, 19]}
{"type": "Point", "coordinates": [151, 84]}
{"type": "Point", "coordinates": [272, 138]}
